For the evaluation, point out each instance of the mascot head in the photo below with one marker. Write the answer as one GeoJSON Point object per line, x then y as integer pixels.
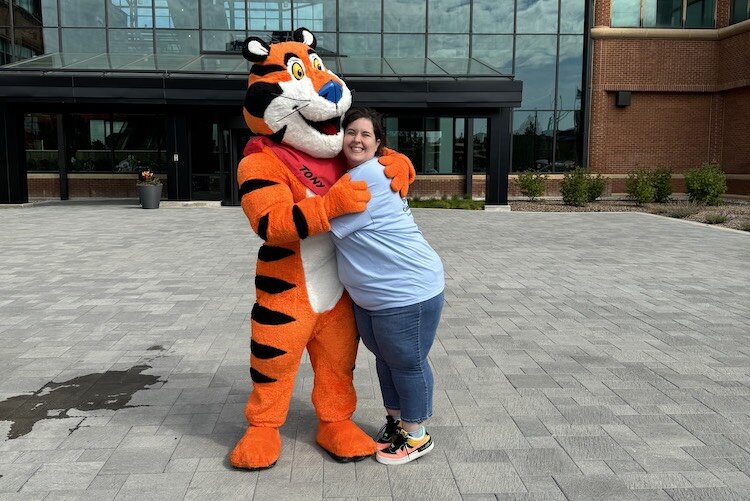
{"type": "Point", "coordinates": [292, 97]}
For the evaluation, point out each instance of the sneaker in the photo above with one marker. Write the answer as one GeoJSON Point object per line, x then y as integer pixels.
{"type": "Point", "coordinates": [387, 433]}
{"type": "Point", "coordinates": [405, 449]}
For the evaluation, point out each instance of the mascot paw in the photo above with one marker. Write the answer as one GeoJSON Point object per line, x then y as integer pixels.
{"type": "Point", "coordinates": [258, 449]}
{"type": "Point", "coordinates": [345, 441]}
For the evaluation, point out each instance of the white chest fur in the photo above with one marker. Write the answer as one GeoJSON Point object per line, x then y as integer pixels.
{"type": "Point", "coordinates": [321, 274]}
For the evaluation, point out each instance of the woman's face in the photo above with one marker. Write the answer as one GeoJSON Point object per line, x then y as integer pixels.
{"type": "Point", "coordinates": [360, 144]}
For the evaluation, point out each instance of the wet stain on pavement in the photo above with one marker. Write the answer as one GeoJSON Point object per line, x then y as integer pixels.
{"type": "Point", "coordinates": [110, 390]}
{"type": "Point", "coordinates": [156, 347]}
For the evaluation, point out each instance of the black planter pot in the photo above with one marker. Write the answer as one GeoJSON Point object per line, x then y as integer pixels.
{"type": "Point", "coordinates": [149, 195]}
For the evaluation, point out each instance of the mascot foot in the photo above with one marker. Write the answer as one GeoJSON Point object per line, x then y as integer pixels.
{"type": "Point", "coordinates": [345, 441]}
{"type": "Point", "coordinates": [257, 450]}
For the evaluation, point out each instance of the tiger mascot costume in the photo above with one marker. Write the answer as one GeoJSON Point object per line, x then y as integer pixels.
{"type": "Point", "coordinates": [292, 182]}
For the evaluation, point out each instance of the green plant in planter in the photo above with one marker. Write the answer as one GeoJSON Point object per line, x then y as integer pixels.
{"type": "Point", "coordinates": [639, 186]}
{"type": "Point", "coordinates": [531, 184]}
{"type": "Point", "coordinates": [147, 177]}
{"type": "Point", "coordinates": [706, 184]}
{"type": "Point", "coordinates": [149, 189]}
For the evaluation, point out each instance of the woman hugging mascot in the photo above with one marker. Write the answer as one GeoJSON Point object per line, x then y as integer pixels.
{"type": "Point", "coordinates": [292, 182]}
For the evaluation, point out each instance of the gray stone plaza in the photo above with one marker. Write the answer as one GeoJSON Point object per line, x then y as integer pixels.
{"type": "Point", "coordinates": [580, 356]}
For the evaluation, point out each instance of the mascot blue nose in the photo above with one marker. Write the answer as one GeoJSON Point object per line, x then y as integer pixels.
{"type": "Point", "coordinates": [331, 91]}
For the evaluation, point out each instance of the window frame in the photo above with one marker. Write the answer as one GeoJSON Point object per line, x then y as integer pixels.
{"type": "Point", "coordinates": [683, 18]}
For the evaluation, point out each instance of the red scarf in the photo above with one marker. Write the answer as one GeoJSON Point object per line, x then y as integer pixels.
{"type": "Point", "coordinates": [317, 174]}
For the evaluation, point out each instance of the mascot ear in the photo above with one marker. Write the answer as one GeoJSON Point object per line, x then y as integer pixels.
{"type": "Point", "coordinates": [305, 36]}
{"type": "Point", "coordinates": [255, 50]}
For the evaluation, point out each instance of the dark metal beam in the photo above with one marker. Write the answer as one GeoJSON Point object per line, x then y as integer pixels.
{"type": "Point", "coordinates": [13, 184]}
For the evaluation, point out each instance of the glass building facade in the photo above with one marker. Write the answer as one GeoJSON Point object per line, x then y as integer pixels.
{"type": "Point", "coordinates": [540, 42]}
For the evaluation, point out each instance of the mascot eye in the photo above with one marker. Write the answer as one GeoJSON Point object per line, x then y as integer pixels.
{"type": "Point", "coordinates": [298, 71]}
{"type": "Point", "coordinates": [317, 63]}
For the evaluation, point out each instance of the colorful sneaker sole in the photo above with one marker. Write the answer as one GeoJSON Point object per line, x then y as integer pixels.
{"type": "Point", "coordinates": [410, 457]}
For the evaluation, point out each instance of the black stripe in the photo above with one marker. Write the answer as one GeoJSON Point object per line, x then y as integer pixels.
{"type": "Point", "coordinates": [261, 70]}
{"type": "Point", "coordinates": [288, 56]}
{"type": "Point", "coordinates": [259, 95]}
{"type": "Point", "coordinates": [277, 136]}
{"type": "Point", "coordinates": [269, 253]}
{"type": "Point", "coordinates": [300, 222]}
{"type": "Point", "coordinates": [264, 351]}
{"type": "Point", "coordinates": [254, 184]}
{"type": "Point", "coordinates": [258, 377]}
{"type": "Point", "coordinates": [272, 285]}
{"type": "Point", "coordinates": [265, 316]}
{"type": "Point", "coordinates": [263, 227]}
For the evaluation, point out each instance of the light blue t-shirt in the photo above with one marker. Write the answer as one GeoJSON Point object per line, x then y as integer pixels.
{"type": "Point", "coordinates": [383, 259]}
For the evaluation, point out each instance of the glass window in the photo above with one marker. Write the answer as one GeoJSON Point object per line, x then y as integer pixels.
{"type": "Point", "coordinates": [699, 14]}
{"type": "Point", "coordinates": [29, 42]}
{"type": "Point", "coordinates": [447, 46]}
{"type": "Point", "coordinates": [535, 66]}
{"type": "Point", "coordinates": [362, 15]}
{"type": "Point", "coordinates": [89, 149]}
{"type": "Point", "coordinates": [403, 16]}
{"type": "Point", "coordinates": [355, 44]}
{"type": "Point", "coordinates": [82, 13]}
{"type": "Point", "coordinates": [439, 136]}
{"type": "Point", "coordinates": [180, 14]}
{"type": "Point", "coordinates": [481, 144]}
{"type": "Point", "coordinates": [493, 16]}
{"type": "Point", "coordinates": [182, 42]}
{"type": "Point", "coordinates": [271, 16]}
{"type": "Point", "coordinates": [137, 142]}
{"type": "Point", "coordinates": [51, 40]}
{"type": "Point", "coordinates": [221, 40]}
{"type": "Point", "coordinates": [571, 72]}
{"type": "Point", "coordinates": [406, 135]}
{"type": "Point", "coordinates": [405, 45]}
{"type": "Point", "coordinates": [6, 51]}
{"type": "Point", "coordinates": [40, 13]}
{"type": "Point", "coordinates": [536, 16]}
{"type": "Point", "coordinates": [221, 15]}
{"type": "Point", "coordinates": [567, 140]}
{"type": "Point", "coordinates": [572, 15]}
{"type": "Point", "coordinates": [131, 41]}
{"type": "Point", "coordinates": [40, 138]}
{"type": "Point", "coordinates": [448, 16]}
{"type": "Point", "coordinates": [326, 44]}
{"type": "Point", "coordinates": [130, 13]}
{"type": "Point", "coordinates": [459, 146]}
{"type": "Point", "coordinates": [740, 11]}
{"type": "Point", "coordinates": [86, 40]}
{"type": "Point", "coordinates": [495, 51]}
{"type": "Point", "coordinates": [532, 141]}
{"type": "Point", "coordinates": [315, 15]}
{"type": "Point", "coordinates": [626, 13]}
{"type": "Point", "coordinates": [662, 13]}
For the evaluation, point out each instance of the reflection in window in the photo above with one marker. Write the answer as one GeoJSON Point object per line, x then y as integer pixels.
{"type": "Point", "coordinates": [532, 141]}
{"type": "Point", "coordinates": [536, 16]}
{"type": "Point", "coordinates": [82, 13]}
{"type": "Point", "coordinates": [571, 69]}
{"type": "Point", "coordinates": [29, 42]}
{"type": "Point", "coordinates": [131, 13]}
{"type": "Point", "coordinates": [495, 51]}
{"type": "Point", "coordinates": [438, 156]}
{"type": "Point", "coordinates": [699, 14]}
{"type": "Point", "coordinates": [359, 45]}
{"type": "Point", "coordinates": [662, 13]}
{"type": "Point", "coordinates": [493, 16]}
{"type": "Point", "coordinates": [409, 45]}
{"type": "Point", "coordinates": [447, 46]}
{"type": "Point", "coordinates": [180, 14]}
{"type": "Point", "coordinates": [131, 41]}
{"type": "Point", "coordinates": [459, 146]}
{"type": "Point", "coordinates": [626, 13]}
{"type": "Point", "coordinates": [222, 15]}
{"type": "Point", "coordinates": [567, 140]}
{"type": "Point", "coordinates": [87, 40]}
{"type": "Point", "coordinates": [406, 135]}
{"type": "Point", "coordinates": [269, 16]}
{"type": "Point", "coordinates": [740, 11]}
{"type": "Point", "coordinates": [316, 15]}
{"type": "Point", "coordinates": [572, 14]}
{"type": "Point", "coordinates": [535, 66]}
{"type": "Point", "coordinates": [448, 16]}
{"type": "Point", "coordinates": [221, 40]}
{"type": "Point", "coordinates": [362, 15]}
{"type": "Point", "coordinates": [481, 145]}
{"type": "Point", "coordinates": [404, 16]}
{"type": "Point", "coordinates": [119, 143]}
{"type": "Point", "coordinates": [182, 42]}
{"type": "Point", "coordinates": [40, 139]}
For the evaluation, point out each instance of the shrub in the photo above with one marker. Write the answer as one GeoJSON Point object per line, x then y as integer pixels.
{"type": "Point", "coordinates": [716, 218]}
{"type": "Point", "coordinates": [745, 225]}
{"type": "Point", "coordinates": [531, 184]}
{"type": "Point", "coordinates": [640, 187]}
{"type": "Point", "coordinates": [661, 180]}
{"type": "Point", "coordinates": [578, 187]}
{"type": "Point", "coordinates": [678, 211]}
{"type": "Point", "coordinates": [596, 186]}
{"type": "Point", "coordinates": [706, 184]}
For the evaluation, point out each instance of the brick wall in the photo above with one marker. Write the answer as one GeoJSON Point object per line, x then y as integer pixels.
{"type": "Point", "coordinates": [436, 186]}
{"type": "Point", "coordinates": [690, 102]}
{"type": "Point", "coordinates": [82, 186]}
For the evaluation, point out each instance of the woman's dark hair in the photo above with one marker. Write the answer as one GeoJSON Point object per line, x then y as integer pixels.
{"type": "Point", "coordinates": [371, 115]}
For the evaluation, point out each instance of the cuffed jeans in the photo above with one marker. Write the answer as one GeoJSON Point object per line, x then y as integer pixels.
{"type": "Point", "coordinates": [400, 338]}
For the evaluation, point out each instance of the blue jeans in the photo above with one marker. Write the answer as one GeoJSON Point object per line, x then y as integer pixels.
{"type": "Point", "coordinates": [400, 338]}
